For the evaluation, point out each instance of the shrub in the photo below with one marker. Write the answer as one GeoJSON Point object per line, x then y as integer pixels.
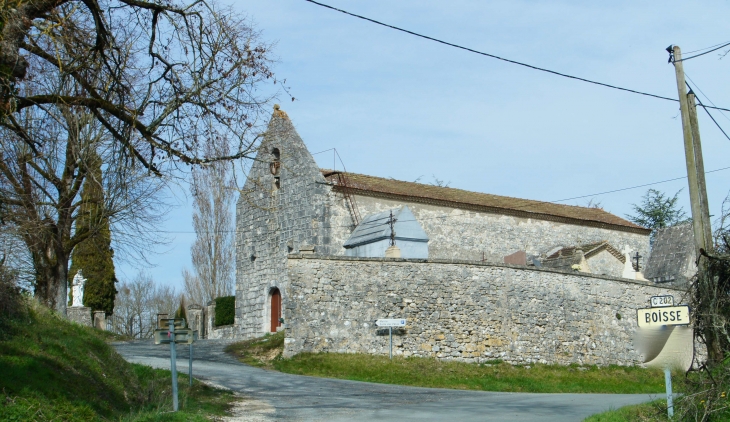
{"type": "Point", "coordinates": [11, 298]}
{"type": "Point", "coordinates": [225, 310]}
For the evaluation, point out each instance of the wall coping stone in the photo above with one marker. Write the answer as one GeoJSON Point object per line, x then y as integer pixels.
{"type": "Point", "coordinates": [481, 264]}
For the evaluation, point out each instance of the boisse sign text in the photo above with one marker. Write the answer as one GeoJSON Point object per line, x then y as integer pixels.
{"type": "Point", "coordinates": [672, 315]}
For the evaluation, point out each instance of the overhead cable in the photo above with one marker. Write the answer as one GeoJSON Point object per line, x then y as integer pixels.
{"type": "Point", "coordinates": [703, 49]}
{"type": "Point", "coordinates": [702, 54]}
{"type": "Point", "coordinates": [471, 50]}
{"type": "Point", "coordinates": [703, 93]}
{"type": "Point", "coordinates": [711, 117]}
{"type": "Point", "coordinates": [637, 186]}
{"type": "Point", "coordinates": [453, 214]}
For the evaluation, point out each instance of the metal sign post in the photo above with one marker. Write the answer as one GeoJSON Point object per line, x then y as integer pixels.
{"type": "Point", "coordinates": [190, 365]}
{"type": "Point", "coordinates": [662, 350]}
{"type": "Point", "coordinates": [173, 364]}
{"type": "Point", "coordinates": [390, 331]}
{"type": "Point", "coordinates": [668, 384]}
{"type": "Point", "coordinates": [390, 323]}
{"type": "Point", "coordinates": [173, 331]}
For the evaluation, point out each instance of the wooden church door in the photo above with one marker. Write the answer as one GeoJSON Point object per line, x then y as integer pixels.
{"type": "Point", "coordinates": [275, 309]}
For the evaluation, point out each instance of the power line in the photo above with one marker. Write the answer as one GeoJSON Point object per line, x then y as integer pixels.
{"type": "Point", "coordinates": [471, 50]}
{"type": "Point", "coordinates": [702, 54]}
{"type": "Point", "coordinates": [713, 119]}
{"type": "Point", "coordinates": [703, 93]}
{"type": "Point", "coordinates": [637, 186]}
{"type": "Point", "coordinates": [703, 106]}
{"type": "Point", "coordinates": [524, 208]}
{"type": "Point", "coordinates": [702, 49]}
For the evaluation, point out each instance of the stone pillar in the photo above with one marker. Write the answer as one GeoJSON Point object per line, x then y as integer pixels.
{"type": "Point", "coordinates": [80, 315]}
{"type": "Point", "coordinates": [196, 319]}
{"type": "Point", "coordinates": [100, 320]}
{"type": "Point", "coordinates": [210, 318]}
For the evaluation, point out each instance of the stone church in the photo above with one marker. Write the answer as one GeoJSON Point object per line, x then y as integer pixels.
{"type": "Point", "coordinates": [312, 243]}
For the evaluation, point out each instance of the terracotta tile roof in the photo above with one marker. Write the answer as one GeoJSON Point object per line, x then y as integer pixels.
{"type": "Point", "coordinates": [361, 184]}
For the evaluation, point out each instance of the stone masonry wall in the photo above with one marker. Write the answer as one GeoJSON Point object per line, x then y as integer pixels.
{"type": "Point", "coordinates": [603, 263]}
{"type": "Point", "coordinates": [463, 310]}
{"type": "Point", "coordinates": [271, 222]}
{"type": "Point", "coordinates": [471, 235]}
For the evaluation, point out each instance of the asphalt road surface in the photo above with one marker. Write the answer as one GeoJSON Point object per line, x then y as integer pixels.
{"type": "Point", "coordinates": [283, 397]}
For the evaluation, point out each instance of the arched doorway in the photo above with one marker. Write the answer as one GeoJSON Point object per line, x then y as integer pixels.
{"type": "Point", "coordinates": [275, 309]}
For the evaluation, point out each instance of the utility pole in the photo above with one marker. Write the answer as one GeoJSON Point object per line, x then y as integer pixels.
{"type": "Point", "coordinates": [693, 158]}
{"type": "Point", "coordinates": [704, 205]}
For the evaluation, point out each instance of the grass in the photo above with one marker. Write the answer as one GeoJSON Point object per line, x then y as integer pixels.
{"type": "Point", "coordinates": [260, 352]}
{"type": "Point", "coordinates": [427, 372]}
{"type": "Point", "coordinates": [55, 370]}
{"type": "Point", "coordinates": [655, 411]}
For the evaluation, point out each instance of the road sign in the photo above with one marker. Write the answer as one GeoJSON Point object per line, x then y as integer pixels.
{"type": "Point", "coordinates": [391, 322]}
{"type": "Point", "coordinates": [670, 315]}
{"type": "Point", "coordinates": [183, 336]}
{"type": "Point", "coordinates": [662, 301]}
{"type": "Point", "coordinates": [179, 323]}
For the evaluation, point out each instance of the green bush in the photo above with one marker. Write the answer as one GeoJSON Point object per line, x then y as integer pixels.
{"type": "Point", "coordinates": [225, 310]}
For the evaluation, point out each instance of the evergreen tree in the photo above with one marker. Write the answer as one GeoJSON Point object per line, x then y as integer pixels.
{"type": "Point", "coordinates": [94, 255]}
{"type": "Point", "coordinates": [658, 211]}
{"type": "Point", "coordinates": [181, 312]}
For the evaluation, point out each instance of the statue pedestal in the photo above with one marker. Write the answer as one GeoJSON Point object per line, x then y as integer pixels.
{"type": "Point", "coordinates": [80, 315]}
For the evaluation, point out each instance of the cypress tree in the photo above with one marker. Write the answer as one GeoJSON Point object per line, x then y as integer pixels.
{"type": "Point", "coordinates": [94, 255]}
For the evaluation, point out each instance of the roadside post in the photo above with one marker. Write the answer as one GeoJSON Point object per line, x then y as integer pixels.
{"type": "Point", "coordinates": [665, 339]}
{"type": "Point", "coordinates": [390, 323]}
{"type": "Point", "coordinates": [172, 331]}
{"type": "Point", "coordinates": [173, 364]}
{"type": "Point", "coordinates": [190, 358]}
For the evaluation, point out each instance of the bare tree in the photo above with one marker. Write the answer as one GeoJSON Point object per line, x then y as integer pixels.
{"type": "Point", "coordinates": [132, 314]}
{"type": "Point", "coordinates": [41, 188]}
{"type": "Point", "coordinates": [165, 300]}
{"type": "Point", "coordinates": [137, 304]}
{"type": "Point", "coordinates": [147, 83]}
{"type": "Point", "coordinates": [212, 251]}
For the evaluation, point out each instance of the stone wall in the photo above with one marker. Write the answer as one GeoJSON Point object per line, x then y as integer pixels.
{"type": "Point", "coordinates": [80, 315]}
{"type": "Point", "coordinates": [471, 235]}
{"type": "Point", "coordinates": [273, 221]}
{"type": "Point", "coordinates": [603, 263]}
{"type": "Point", "coordinates": [224, 332]}
{"type": "Point", "coordinates": [463, 310]}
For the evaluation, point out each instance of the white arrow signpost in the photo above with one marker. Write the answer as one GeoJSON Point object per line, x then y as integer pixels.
{"type": "Point", "coordinates": [663, 313]}
{"type": "Point", "coordinates": [390, 323]}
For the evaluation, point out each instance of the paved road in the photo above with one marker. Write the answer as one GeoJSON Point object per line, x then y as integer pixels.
{"type": "Point", "coordinates": [284, 397]}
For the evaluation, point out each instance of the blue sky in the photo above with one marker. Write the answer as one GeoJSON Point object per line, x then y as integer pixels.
{"type": "Point", "coordinates": [394, 105]}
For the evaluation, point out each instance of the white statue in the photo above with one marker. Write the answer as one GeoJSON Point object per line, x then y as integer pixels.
{"type": "Point", "coordinates": [77, 289]}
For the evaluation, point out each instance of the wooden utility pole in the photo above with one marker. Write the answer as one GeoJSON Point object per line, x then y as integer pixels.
{"type": "Point", "coordinates": [704, 205]}
{"type": "Point", "coordinates": [693, 158]}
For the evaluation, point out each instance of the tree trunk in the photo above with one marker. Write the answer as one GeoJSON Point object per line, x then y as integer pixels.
{"type": "Point", "coordinates": [51, 271]}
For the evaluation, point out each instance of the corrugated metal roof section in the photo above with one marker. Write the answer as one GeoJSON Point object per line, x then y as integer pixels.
{"type": "Point", "coordinates": [376, 227]}
{"type": "Point", "coordinates": [361, 184]}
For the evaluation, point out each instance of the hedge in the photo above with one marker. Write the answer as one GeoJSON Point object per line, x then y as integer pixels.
{"type": "Point", "coordinates": [225, 310]}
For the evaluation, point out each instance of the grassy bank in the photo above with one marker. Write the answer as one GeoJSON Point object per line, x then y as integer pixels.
{"type": "Point", "coordinates": [646, 412]}
{"type": "Point", "coordinates": [425, 372]}
{"type": "Point", "coordinates": [55, 370]}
